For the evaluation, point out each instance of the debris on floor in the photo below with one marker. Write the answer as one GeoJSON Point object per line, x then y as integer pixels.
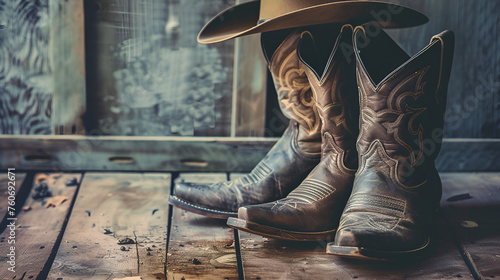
{"type": "Point", "coordinates": [229, 259]}
{"type": "Point", "coordinates": [41, 190]}
{"type": "Point", "coordinates": [71, 182]}
{"type": "Point", "coordinates": [196, 261]}
{"type": "Point", "coordinates": [40, 178]}
{"type": "Point", "coordinates": [126, 241]}
{"type": "Point", "coordinates": [56, 201]}
{"type": "Point", "coordinates": [125, 248]}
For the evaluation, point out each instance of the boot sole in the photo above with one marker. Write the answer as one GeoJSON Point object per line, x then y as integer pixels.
{"type": "Point", "coordinates": [212, 213]}
{"type": "Point", "coordinates": [272, 232]}
{"type": "Point", "coordinates": [368, 254]}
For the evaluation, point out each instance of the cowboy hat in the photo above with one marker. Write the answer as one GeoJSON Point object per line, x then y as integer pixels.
{"type": "Point", "coordinates": [267, 15]}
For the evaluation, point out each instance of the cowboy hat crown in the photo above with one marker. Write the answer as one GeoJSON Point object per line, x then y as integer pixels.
{"type": "Point", "coordinates": [267, 15]}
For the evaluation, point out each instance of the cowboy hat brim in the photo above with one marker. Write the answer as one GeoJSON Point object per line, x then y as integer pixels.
{"type": "Point", "coordinates": [243, 19]}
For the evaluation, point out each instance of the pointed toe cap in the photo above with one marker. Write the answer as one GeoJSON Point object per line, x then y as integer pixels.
{"type": "Point", "coordinates": [376, 231]}
{"type": "Point", "coordinates": [216, 197]}
{"type": "Point", "coordinates": [346, 238]}
{"type": "Point", "coordinates": [260, 213]}
{"type": "Point", "coordinates": [275, 214]}
{"type": "Point", "coordinates": [188, 192]}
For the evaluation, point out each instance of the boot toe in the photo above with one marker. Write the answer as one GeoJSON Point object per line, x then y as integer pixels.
{"type": "Point", "coordinates": [346, 238]}
{"type": "Point", "coordinates": [375, 231]}
{"type": "Point", "coordinates": [260, 214]}
{"type": "Point", "coordinates": [266, 214]}
{"type": "Point", "coordinates": [284, 214]}
{"type": "Point", "coordinates": [209, 196]}
{"type": "Point", "coordinates": [188, 192]}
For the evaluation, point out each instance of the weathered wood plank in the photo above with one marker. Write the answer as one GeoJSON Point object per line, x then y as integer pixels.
{"type": "Point", "coordinates": [67, 35]}
{"type": "Point", "coordinates": [4, 192]}
{"type": "Point", "coordinates": [265, 258]}
{"type": "Point", "coordinates": [200, 247]}
{"type": "Point", "coordinates": [193, 154]}
{"type": "Point", "coordinates": [250, 87]}
{"type": "Point", "coordinates": [131, 205]}
{"type": "Point", "coordinates": [39, 229]}
{"type": "Point", "coordinates": [273, 259]}
{"type": "Point", "coordinates": [205, 154]}
{"type": "Point", "coordinates": [471, 202]}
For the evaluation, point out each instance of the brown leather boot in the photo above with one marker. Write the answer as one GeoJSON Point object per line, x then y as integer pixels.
{"type": "Point", "coordinates": [289, 161]}
{"type": "Point", "coordinates": [312, 211]}
{"type": "Point", "coordinates": [397, 189]}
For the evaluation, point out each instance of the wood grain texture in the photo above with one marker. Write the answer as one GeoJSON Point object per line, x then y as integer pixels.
{"type": "Point", "coordinates": [125, 153]}
{"type": "Point", "coordinates": [273, 259]}
{"type": "Point", "coordinates": [26, 84]}
{"type": "Point", "coordinates": [131, 205]}
{"type": "Point", "coordinates": [147, 75]}
{"type": "Point", "coordinates": [67, 53]}
{"type": "Point", "coordinates": [250, 75]}
{"type": "Point", "coordinates": [475, 217]}
{"type": "Point", "coordinates": [473, 99]}
{"type": "Point", "coordinates": [194, 154]}
{"type": "Point", "coordinates": [200, 247]}
{"type": "Point", "coordinates": [39, 230]}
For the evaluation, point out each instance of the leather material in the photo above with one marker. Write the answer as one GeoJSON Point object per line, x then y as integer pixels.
{"type": "Point", "coordinates": [294, 92]}
{"type": "Point", "coordinates": [397, 188]}
{"type": "Point", "coordinates": [292, 157]}
{"type": "Point", "coordinates": [316, 205]}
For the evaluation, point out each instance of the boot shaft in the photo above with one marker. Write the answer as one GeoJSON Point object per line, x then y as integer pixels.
{"type": "Point", "coordinates": [332, 78]}
{"type": "Point", "coordinates": [293, 89]}
{"type": "Point", "coordinates": [402, 99]}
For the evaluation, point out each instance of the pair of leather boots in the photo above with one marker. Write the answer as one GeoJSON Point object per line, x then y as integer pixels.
{"type": "Point", "coordinates": [356, 162]}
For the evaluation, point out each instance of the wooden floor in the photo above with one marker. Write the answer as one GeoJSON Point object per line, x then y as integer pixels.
{"type": "Point", "coordinates": [120, 226]}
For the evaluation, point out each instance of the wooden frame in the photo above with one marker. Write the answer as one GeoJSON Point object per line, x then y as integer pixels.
{"type": "Point", "coordinates": [72, 152]}
{"type": "Point", "coordinates": [68, 60]}
{"type": "Point", "coordinates": [196, 154]}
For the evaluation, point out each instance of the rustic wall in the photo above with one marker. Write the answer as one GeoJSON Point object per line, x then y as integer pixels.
{"type": "Point", "coordinates": [148, 76]}
{"type": "Point", "coordinates": [473, 109]}
{"type": "Point", "coordinates": [26, 87]}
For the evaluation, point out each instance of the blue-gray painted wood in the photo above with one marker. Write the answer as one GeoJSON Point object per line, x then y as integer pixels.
{"type": "Point", "coordinates": [67, 50]}
{"type": "Point", "coordinates": [194, 154]}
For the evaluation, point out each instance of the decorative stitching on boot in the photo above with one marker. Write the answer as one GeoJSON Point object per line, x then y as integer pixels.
{"type": "Point", "coordinates": [260, 172]}
{"type": "Point", "coordinates": [311, 190]}
{"type": "Point", "coordinates": [337, 162]}
{"type": "Point", "coordinates": [360, 202]}
{"type": "Point", "coordinates": [294, 92]}
{"type": "Point", "coordinates": [377, 149]}
{"type": "Point", "coordinates": [202, 208]}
